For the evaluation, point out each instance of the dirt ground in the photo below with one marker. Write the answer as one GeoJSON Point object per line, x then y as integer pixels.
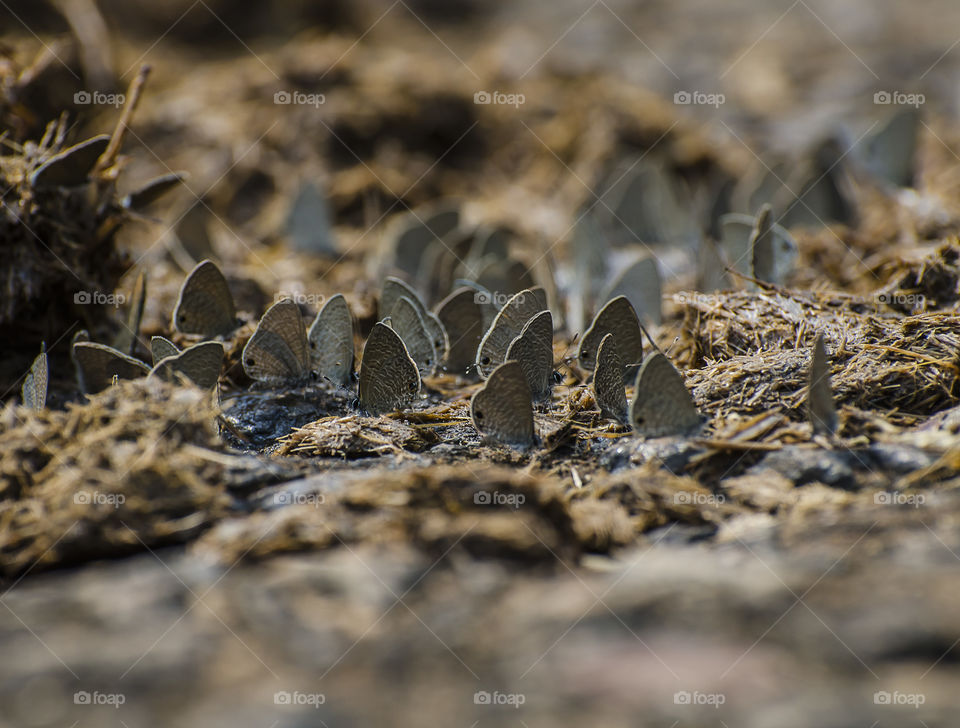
{"type": "Point", "coordinates": [270, 556]}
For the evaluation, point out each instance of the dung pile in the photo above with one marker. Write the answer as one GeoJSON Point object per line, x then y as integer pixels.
{"type": "Point", "coordinates": [136, 467]}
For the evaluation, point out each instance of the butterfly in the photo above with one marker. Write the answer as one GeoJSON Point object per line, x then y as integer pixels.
{"type": "Point", "coordinates": [98, 365]}
{"type": "Point", "coordinates": [507, 325]}
{"type": "Point", "coordinates": [72, 166]}
{"type": "Point", "coordinates": [199, 363]}
{"type": "Point", "coordinates": [393, 290]}
{"type": "Point", "coordinates": [389, 378]}
{"type": "Point", "coordinates": [34, 389]}
{"type": "Point", "coordinates": [617, 317]}
{"type": "Point", "coordinates": [331, 341]}
{"type": "Point", "coordinates": [821, 410]}
{"type": "Point", "coordinates": [278, 351]}
{"type": "Point", "coordinates": [462, 318]}
{"type": "Point", "coordinates": [662, 404]}
{"type": "Point", "coordinates": [407, 322]}
{"type": "Point", "coordinates": [533, 349]}
{"type": "Point", "coordinates": [503, 410]}
{"type": "Point", "coordinates": [205, 305]}
{"type": "Point", "coordinates": [608, 385]}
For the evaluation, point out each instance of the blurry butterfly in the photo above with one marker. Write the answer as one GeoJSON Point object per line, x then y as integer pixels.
{"type": "Point", "coordinates": [139, 200]}
{"type": "Point", "coordinates": [309, 222]}
{"type": "Point", "coordinates": [72, 166]}
{"type": "Point", "coordinates": [507, 326]}
{"type": "Point", "coordinates": [278, 351]}
{"type": "Point", "coordinates": [617, 317]}
{"type": "Point", "coordinates": [34, 389]}
{"type": "Point", "coordinates": [891, 150]}
{"type": "Point", "coordinates": [640, 283]}
{"type": "Point", "coordinates": [420, 229]}
{"type": "Point", "coordinates": [821, 410]}
{"type": "Point", "coordinates": [662, 404]}
{"type": "Point", "coordinates": [738, 230]}
{"type": "Point", "coordinates": [462, 318]}
{"type": "Point", "coordinates": [502, 410]}
{"type": "Point", "coordinates": [199, 363]}
{"type": "Point", "coordinates": [533, 349]}
{"type": "Point", "coordinates": [389, 378]}
{"type": "Point", "coordinates": [331, 341]}
{"type": "Point", "coordinates": [608, 385]}
{"type": "Point", "coordinates": [98, 365]}
{"type": "Point", "coordinates": [205, 306]}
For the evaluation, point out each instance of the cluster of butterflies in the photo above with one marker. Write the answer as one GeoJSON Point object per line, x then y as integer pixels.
{"type": "Point", "coordinates": [510, 348]}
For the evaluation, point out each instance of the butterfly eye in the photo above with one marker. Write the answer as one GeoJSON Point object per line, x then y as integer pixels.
{"type": "Point", "coordinates": [485, 360]}
{"type": "Point", "coordinates": [251, 362]}
{"type": "Point", "coordinates": [428, 361]}
{"type": "Point", "coordinates": [478, 415]}
{"type": "Point", "coordinates": [638, 419]}
{"type": "Point", "coordinates": [413, 387]}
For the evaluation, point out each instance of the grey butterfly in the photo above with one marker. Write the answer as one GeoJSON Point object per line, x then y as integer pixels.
{"type": "Point", "coordinates": [662, 404]}
{"type": "Point", "coordinates": [142, 198]}
{"type": "Point", "coordinates": [617, 317]}
{"type": "Point", "coordinates": [389, 378]}
{"type": "Point", "coordinates": [484, 299]}
{"type": "Point", "coordinates": [711, 268]}
{"type": "Point", "coordinates": [737, 231]}
{"type": "Point", "coordinates": [533, 349]}
{"type": "Point", "coordinates": [762, 246]}
{"type": "Point", "coordinates": [308, 222]}
{"type": "Point", "coordinates": [98, 365]}
{"type": "Point", "coordinates": [126, 340]}
{"type": "Point", "coordinates": [462, 318]}
{"type": "Point", "coordinates": [72, 166]}
{"type": "Point", "coordinates": [507, 325]}
{"type": "Point", "coordinates": [641, 284]}
{"type": "Point", "coordinates": [199, 363]}
{"type": "Point", "coordinates": [503, 274]}
{"type": "Point", "coordinates": [161, 348]}
{"type": "Point", "coordinates": [608, 385]}
{"type": "Point", "coordinates": [421, 230]}
{"type": "Point", "coordinates": [205, 305]}
{"type": "Point", "coordinates": [407, 322]}
{"type": "Point", "coordinates": [393, 290]}
{"type": "Point", "coordinates": [502, 410]}
{"type": "Point", "coordinates": [331, 341]}
{"type": "Point", "coordinates": [891, 150]}
{"type": "Point", "coordinates": [821, 410]}
{"type": "Point", "coordinates": [278, 351]}
{"type": "Point", "coordinates": [34, 389]}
